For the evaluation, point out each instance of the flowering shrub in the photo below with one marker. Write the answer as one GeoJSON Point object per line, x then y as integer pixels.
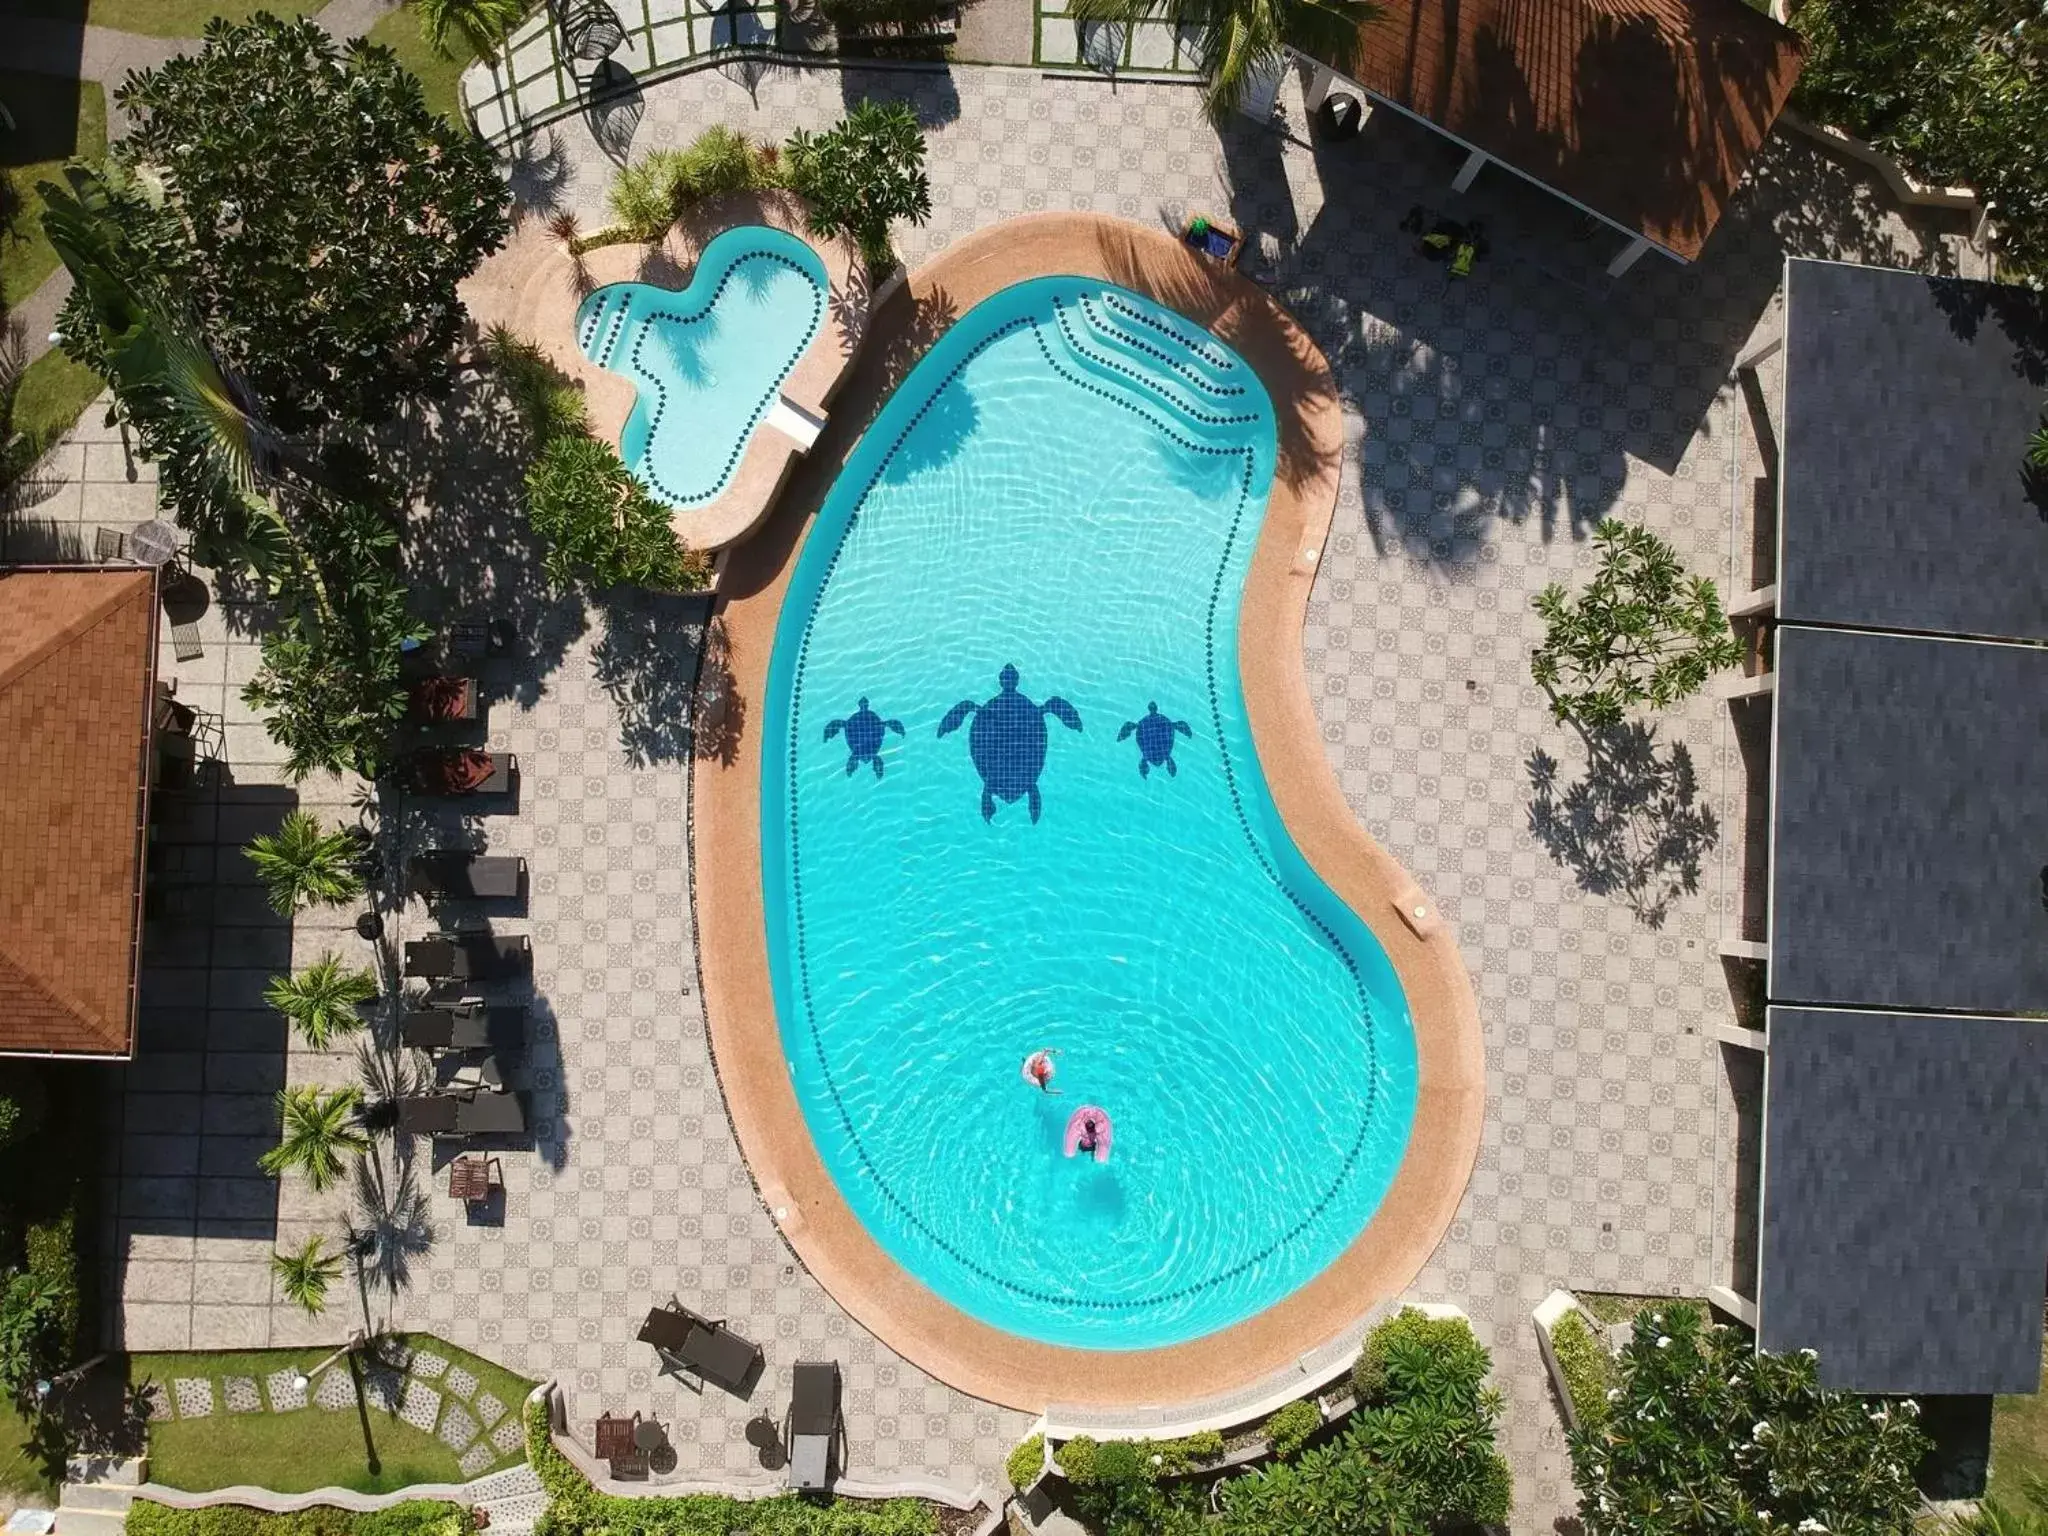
{"type": "Point", "coordinates": [1707, 1436]}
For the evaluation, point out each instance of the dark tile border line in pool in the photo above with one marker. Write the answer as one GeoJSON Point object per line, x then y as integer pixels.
{"type": "Point", "coordinates": [1110, 331]}
{"type": "Point", "coordinates": [1055, 308]}
{"type": "Point", "coordinates": [1264, 1350]}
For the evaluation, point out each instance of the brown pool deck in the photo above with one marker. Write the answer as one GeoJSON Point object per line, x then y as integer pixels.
{"type": "Point", "coordinates": [738, 997]}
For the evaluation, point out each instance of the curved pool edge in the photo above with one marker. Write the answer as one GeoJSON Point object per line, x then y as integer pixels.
{"type": "Point", "coordinates": [726, 855]}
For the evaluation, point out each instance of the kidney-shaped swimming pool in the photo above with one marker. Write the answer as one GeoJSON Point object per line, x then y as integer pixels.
{"type": "Point", "coordinates": [1011, 804]}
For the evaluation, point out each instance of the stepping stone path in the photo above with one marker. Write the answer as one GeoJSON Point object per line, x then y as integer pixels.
{"type": "Point", "coordinates": [428, 1391]}
{"type": "Point", "coordinates": [285, 1391]}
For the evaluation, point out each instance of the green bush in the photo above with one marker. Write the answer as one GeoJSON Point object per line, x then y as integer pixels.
{"type": "Point", "coordinates": [51, 1250]}
{"type": "Point", "coordinates": [577, 1509]}
{"type": "Point", "coordinates": [599, 524]}
{"type": "Point", "coordinates": [1026, 1462]}
{"type": "Point", "coordinates": [1289, 1429]}
{"type": "Point", "coordinates": [1587, 1368]}
{"type": "Point", "coordinates": [546, 400]}
{"type": "Point", "coordinates": [1077, 1460]}
{"type": "Point", "coordinates": [23, 1101]}
{"type": "Point", "coordinates": [416, 1517]}
{"type": "Point", "coordinates": [651, 193]}
{"type": "Point", "coordinates": [1086, 1461]}
{"type": "Point", "coordinates": [1448, 1337]}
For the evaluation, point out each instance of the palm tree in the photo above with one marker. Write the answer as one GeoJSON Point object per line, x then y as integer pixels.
{"type": "Point", "coordinates": [320, 1134]}
{"type": "Point", "coordinates": [320, 1002]}
{"type": "Point", "coordinates": [1242, 39]}
{"type": "Point", "coordinates": [483, 24]}
{"type": "Point", "coordinates": [304, 1276]}
{"type": "Point", "coordinates": [303, 865]}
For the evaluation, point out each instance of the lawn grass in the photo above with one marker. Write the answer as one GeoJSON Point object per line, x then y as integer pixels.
{"type": "Point", "coordinates": [54, 120]}
{"type": "Point", "coordinates": [1620, 1307]}
{"type": "Point", "coordinates": [158, 18]}
{"type": "Point", "coordinates": [53, 393]}
{"type": "Point", "coordinates": [439, 78]}
{"type": "Point", "coordinates": [23, 1473]}
{"type": "Point", "coordinates": [2019, 1442]}
{"type": "Point", "coordinates": [306, 1448]}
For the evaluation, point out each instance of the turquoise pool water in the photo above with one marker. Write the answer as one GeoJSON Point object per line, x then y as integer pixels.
{"type": "Point", "coordinates": [1070, 485]}
{"type": "Point", "coordinates": [706, 363]}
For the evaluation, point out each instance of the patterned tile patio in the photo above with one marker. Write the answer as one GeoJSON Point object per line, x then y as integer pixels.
{"type": "Point", "coordinates": [1496, 421]}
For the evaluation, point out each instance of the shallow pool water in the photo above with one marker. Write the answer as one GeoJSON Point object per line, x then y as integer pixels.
{"type": "Point", "coordinates": [1011, 802]}
{"type": "Point", "coordinates": [708, 362]}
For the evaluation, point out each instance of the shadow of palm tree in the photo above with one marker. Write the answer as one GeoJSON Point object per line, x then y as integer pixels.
{"type": "Point", "coordinates": [1633, 827]}
{"type": "Point", "coordinates": [646, 660]}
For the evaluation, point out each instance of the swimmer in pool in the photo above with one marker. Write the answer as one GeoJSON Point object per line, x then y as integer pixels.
{"type": "Point", "coordinates": [1038, 1070]}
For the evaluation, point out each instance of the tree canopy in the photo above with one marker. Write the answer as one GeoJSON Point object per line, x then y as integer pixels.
{"type": "Point", "coordinates": [1708, 1436]}
{"type": "Point", "coordinates": [1236, 41]}
{"type": "Point", "coordinates": [863, 175]}
{"type": "Point", "coordinates": [320, 215]}
{"type": "Point", "coordinates": [1957, 91]}
{"type": "Point", "coordinates": [1643, 632]}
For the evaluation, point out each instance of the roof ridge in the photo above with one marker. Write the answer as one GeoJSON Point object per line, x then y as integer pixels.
{"type": "Point", "coordinates": [101, 609]}
{"type": "Point", "coordinates": [38, 983]}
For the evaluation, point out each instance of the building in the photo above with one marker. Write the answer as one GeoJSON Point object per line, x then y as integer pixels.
{"type": "Point", "coordinates": [78, 697]}
{"type": "Point", "coordinates": [1903, 1213]}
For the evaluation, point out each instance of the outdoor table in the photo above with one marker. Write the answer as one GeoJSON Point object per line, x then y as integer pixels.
{"type": "Point", "coordinates": [469, 1178]}
{"type": "Point", "coordinates": [648, 1436]}
{"type": "Point", "coordinates": [154, 543]}
{"type": "Point", "coordinates": [614, 1438]}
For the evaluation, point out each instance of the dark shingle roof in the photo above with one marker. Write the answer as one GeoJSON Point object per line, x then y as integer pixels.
{"type": "Point", "coordinates": [1910, 823]}
{"type": "Point", "coordinates": [77, 652]}
{"type": "Point", "coordinates": [1905, 1219]}
{"type": "Point", "coordinates": [1908, 401]}
{"type": "Point", "coordinates": [1645, 111]}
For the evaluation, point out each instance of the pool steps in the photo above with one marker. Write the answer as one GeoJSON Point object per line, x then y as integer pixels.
{"type": "Point", "coordinates": [794, 422]}
{"type": "Point", "coordinates": [1204, 394]}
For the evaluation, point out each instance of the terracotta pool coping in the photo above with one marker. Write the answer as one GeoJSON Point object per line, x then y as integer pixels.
{"type": "Point", "coordinates": [732, 934]}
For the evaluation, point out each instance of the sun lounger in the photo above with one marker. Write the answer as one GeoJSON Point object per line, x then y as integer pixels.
{"type": "Point", "coordinates": [430, 1114]}
{"type": "Point", "coordinates": [467, 876]}
{"type": "Point", "coordinates": [469, 956]}
{"type": "Point", "coordinates": [490, 1114]}
{"type": "Point", "coordinates": [502, 1030]}
{"type": "Point", "coordinates": [459, 772]}
{"type": "Point", "coordinates": [441, 701]}
{"type": "Point", "coordinates": [813, 1430]}
{"type": "Point", "coordinates": [709, 1349]}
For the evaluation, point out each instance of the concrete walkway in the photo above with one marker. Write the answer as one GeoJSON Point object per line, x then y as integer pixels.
{"type": "Point", "coordinates": [107, 56]}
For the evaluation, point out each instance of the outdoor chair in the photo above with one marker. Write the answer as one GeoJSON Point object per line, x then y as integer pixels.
{"type": "Point", "coordinates": [441, 700]}
{"type": "Point", "coordinates": [185, 642]}
{"type": "Point", "coordinates": [702, 1346]}
{"type": "Point", "coordinates": [469, 956]}
{"type": "Point", "coordinates": [431, 1114]}
{"type": "Point", "coordinates": [467, 876]}
{"type": "Point", "coordinates": [490, 1114]}
{"type": "Point", "coordinates": [453, 773]}
{"type": "Point", "coordinates": [109, 545]}
{"type": "Point", "coordinates": [814, 1425]}
{"type": "Point", "coordinates": [500, 1030]}
{"type": "Point", "coordinates": [473, 1180]}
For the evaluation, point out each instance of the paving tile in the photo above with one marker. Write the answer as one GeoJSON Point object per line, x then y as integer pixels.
{"type": "Point", "coordinates": [509, 1436]}
{"type": "Point", "coordinates": [194, 1396]}
{"type": "Point", "coordinates": [433, 1367]}
{"type": "Point", "coordinates": [476, 1459]}
{"type": "Point", "coordinates": [286, 1392]}
{"type": "Point", "coordinates": [335, 1389]}
{"type": "Point", "coordinates": [420, 1406]}
{"type": "Point", "coordinates": [458, 1427]}
{"type": "Point", "coordinates": [241, 1394]}
{"type": "Point", "coordinates": [488, 1409]}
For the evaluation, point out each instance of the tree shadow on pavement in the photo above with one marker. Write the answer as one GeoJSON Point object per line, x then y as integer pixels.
{"type": "Point", "coordinates": [646, 662]}
{"type": "Point", "coordinates": [1634, 826]}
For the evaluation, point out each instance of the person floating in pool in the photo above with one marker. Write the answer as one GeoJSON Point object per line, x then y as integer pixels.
{"type": "Point", "coordinates": [1038, 1069]}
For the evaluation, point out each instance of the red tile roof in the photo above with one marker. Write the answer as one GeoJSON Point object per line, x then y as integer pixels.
{"type": "Point", "coordinates": [77, 666]}
{"type": "Point", "coordinates": [1644, 111]}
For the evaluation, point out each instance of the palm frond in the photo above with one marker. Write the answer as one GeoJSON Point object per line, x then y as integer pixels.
{"type": "Point", "coordinates": [303, 865]}
{"type": "Point", "coordinates": [318, 1135]}
{"type": "Point", "coordinates": [304, 1276]}
{"type": "Point", "coordinates": [320, 1002]}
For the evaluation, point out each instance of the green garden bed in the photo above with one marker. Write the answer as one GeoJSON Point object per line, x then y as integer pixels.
{"type": "Point", "coordinates": [292, 1450]}
{"type": "Point", "coordinates": [2019, 1443]}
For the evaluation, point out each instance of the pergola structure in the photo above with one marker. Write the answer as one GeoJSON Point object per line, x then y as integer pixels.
{"type": "Point", "coordinates": [1643, 114]}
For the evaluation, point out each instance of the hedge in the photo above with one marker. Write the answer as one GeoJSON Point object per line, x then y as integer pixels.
{"type": "Point", "coordinates": [1289, 1429]}
{"type": "Point", "coordinates": [1587, 1368]}
{"type": "Point", "coordinates": [1026, 1462]}
{"type": "Point", "coordinates": [1087, 1462]}
{"type": "Point", "coordinates": [416, 1517]}
{"type": "Point", "coordinates": [1449, 1338]}
{"type": "Point", "coordinates": [577, 1509]}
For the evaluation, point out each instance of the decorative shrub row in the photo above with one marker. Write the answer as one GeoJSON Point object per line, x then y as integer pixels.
{"type": "Point", "coordinates": [416, 1517]}
{"type": "Point", "coordinates": [1587, 1368]}
{"type": "Point", "coordinates": [575, 1508]}
{"type": "Point", "coordinates": [1026, 1462]}
{"type": "Point", "coordinates": [1089, 1462]}
{"type": "Point", "coordinates": [1290, 1428]}
{"type": "Point", "coordinates": [655, 190]}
